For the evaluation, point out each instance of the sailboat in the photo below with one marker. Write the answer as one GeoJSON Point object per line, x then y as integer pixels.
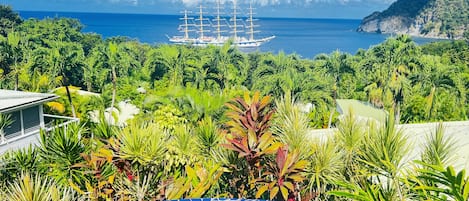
{"type": "Point", "coordinates": [209, 33]}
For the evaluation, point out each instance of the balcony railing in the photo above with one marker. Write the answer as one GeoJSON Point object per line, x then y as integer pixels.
{"type": "Point", "coordinates": [50, 122]}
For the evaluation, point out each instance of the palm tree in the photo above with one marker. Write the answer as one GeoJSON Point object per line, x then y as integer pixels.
{"type": "Point", "coordinates": [230, 65]}
{"type": "Point", "coordinates": [113, 62]}
{"type": "Point", "coordinates": [174, 59]}
{"type": "Point", "coordinates": [16, 44]}
{"type": "Point", "coordinates": [65, 59]}
{"type": "Point", "coordinates": [199, 74]}
{"type": "Point", "coordinates": [390, 64]}
{"type": "Point", "coordinates": [275, 75]}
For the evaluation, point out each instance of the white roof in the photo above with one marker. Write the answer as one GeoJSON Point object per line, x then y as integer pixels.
{"type": "Point", "coordinates": [10, 100]}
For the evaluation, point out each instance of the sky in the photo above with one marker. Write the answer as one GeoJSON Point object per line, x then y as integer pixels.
{"type": "Point", "coordinates": [349, 9]}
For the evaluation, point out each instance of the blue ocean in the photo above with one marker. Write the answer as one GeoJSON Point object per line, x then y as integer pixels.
{"type": "Point", "coordinates": [306, 37]}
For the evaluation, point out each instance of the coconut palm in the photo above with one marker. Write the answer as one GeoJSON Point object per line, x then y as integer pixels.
{"type": "Point", "coordinates": [230, 65]}
{"type": "Point", "coordinates": [174, 60]}
{"type": "Point", "coordinates": [16, 44]}
{"type": "Point", "coordinates": [113, 63]}
{"type": "Point", "coordinates": [95, 69]}
{"type": "Point", "coordinates": [65, 59]}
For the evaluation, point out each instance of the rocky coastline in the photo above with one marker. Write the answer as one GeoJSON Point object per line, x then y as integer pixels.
{"type": "Point", "coordinates": [425, 21]}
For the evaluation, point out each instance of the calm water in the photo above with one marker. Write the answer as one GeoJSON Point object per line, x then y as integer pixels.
{"type": "Point", "coordinates": [306, 37]}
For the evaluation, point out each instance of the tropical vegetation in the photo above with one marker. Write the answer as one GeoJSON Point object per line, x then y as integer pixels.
{"type": "Point", "coordinates": [217, 122]}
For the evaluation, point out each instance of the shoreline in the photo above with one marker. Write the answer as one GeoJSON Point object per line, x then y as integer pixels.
{"type": "Point", "coordinates": [412, 35]}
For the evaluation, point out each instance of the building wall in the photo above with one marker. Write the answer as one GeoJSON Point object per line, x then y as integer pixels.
{"type": "Point", "coordinates": [418, 133]}
{"type": "Point", "coordinates": [32, 139]}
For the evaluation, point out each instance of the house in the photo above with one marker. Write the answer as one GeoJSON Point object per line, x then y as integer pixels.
{"type": "Point", "coordinates": [26, 112]}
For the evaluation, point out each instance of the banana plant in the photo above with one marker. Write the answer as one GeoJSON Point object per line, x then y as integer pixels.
{"type": "Point", "coordinates": [287, 171]}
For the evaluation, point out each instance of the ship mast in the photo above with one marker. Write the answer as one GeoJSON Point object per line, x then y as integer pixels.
{"type": "Point", "coordinates": [218, 19]}
{"type": "Point", "coordinates": [186, 25]}
{"type": "Point", "coordinates": [201, 25]}
{"type": "Point", "coordinates": [235, 25]}
{"type": "Point", "coordinates": [251, 23]}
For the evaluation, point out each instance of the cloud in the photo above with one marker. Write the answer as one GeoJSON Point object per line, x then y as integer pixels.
{"type": "Point", "coordinates": [289, 2]}
{"type": "Point", "coordinates": [126, 2]}
{"type": "Point", "coordinates": [192, 3]}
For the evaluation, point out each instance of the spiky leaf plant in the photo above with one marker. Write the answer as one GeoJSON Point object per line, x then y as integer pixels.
{"type": "Point", "coordinates": [143, 144]}
{"type": "Point", "coordinates": [208, 137]}
{"type": "Point", "coordinates": [350, 136]}
{"type": "Point", "coordinates": [13, 163]}
{"type": "Point", "coordinates": [37, 188]}
{"type": "Point", "coordinates": [382, 156]}
{"type": "Point", "coordinates": [352, 191]}
{"type": "Point", "coordinates": [139, 189]}
{"type": "Point", "coordinates": [182, 149]}
{"type": "Point", "coordinates": [325, 167]}
{"type": "Point", "coordinates": [5, 120]}
{"type": "Point", "coordinates": [291, 125]}
{"type": "Point", "coordinates": [437, 153]}
{"type": "Point", "coordinates": [60, 149]}
{"type": "Point", "coordinates": [439, 149]}
{"type": "Point", "coordinates": [384, 149]}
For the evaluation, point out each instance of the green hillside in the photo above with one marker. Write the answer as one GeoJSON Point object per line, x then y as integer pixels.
{"type": "Point", "coordinates": [426, 18]}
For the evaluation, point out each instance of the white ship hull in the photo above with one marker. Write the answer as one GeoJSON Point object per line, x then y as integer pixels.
{"type": "Point", "coordinates": [241, 42]}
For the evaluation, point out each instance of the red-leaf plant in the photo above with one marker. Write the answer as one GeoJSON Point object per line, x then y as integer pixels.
{"type": "Point", "coordinates": [286, 171]}
{"type": "Point", "coordinates": [248, 131]}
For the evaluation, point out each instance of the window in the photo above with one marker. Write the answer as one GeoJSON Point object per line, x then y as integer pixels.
{"type": "Point", "coordinates": [14, 129]}
{"type": "Point", "coordinates": [31, 120]}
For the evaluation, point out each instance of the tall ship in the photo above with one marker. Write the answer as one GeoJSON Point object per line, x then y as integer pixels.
{"type": "Point", "coordinates": [202, 31]}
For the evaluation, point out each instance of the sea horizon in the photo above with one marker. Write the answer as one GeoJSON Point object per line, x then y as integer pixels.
{"type": "Point", "coordinates": [173, 14]}
{"type": "Point", "coordinates": [306, 37]}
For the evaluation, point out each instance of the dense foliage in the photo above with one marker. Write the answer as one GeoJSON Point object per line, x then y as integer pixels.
{"type": "Point", "coordinates": [423, 83]}
{"type": "Point", "coordinates": [217, 122]}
